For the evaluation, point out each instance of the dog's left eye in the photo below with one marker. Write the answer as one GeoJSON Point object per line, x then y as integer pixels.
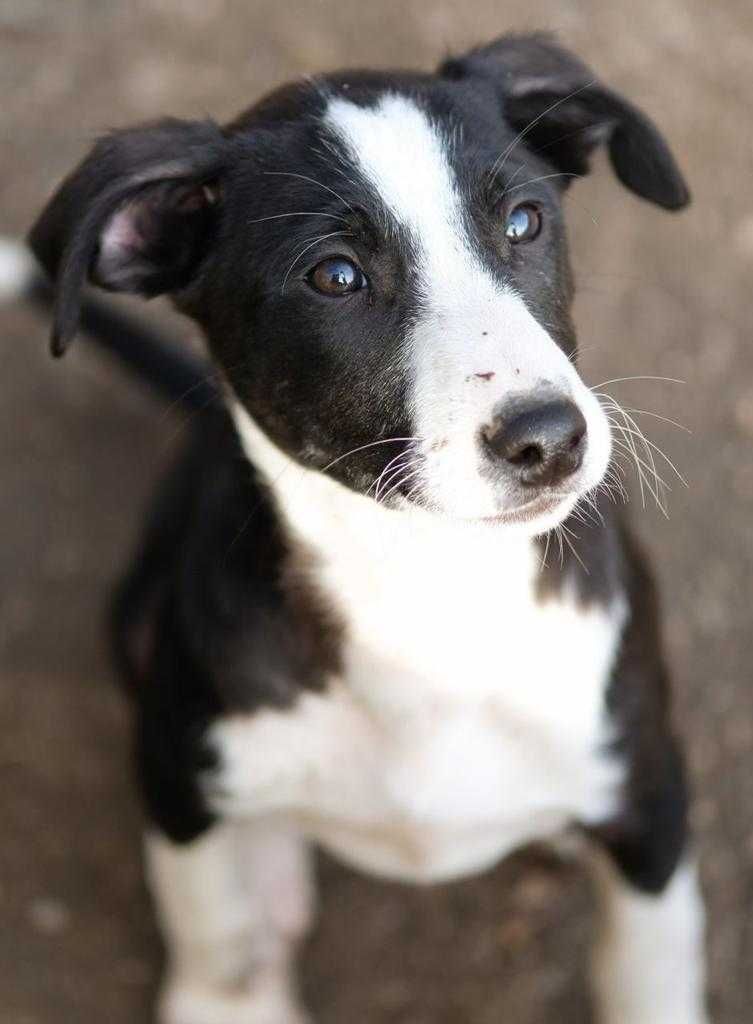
{"type": "Point", "coordinates": [523, 223]}
{"type": "Point", "coordinates": [336, 276]}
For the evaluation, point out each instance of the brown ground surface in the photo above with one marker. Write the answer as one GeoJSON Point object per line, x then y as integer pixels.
{"type": "Point", "coordinates": [79, 446]}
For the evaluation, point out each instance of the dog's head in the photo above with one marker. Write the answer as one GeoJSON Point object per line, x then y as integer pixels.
{"type": "Point", "coordinates": [380, 266]}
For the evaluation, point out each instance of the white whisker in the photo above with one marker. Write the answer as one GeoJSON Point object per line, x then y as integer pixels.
{"type": "Point", "coordinates": [643, 470]}
{"type": "Point", "coordinates": [659, 452]}
{"type": "Point", "coordinates": [299, 213]}
{"type": "Point", "coordinates": [377, 484]}
{"type": "Point", "coordinates": [646, 465]}
{"type": "Point", "coordinates": [403, 480]}
{"type": "Point", "coordinates": [619, 380]}
{"type": "Point", "coordinates": [628, 430]}
{"type": "Point", "coordinates": [546, 551]}
{"type": "Point", "coordinates": [631, 427]}
{"type": "Point", "coordinates": [499, 163]}
{"type": "Point", "coordinates": [632, 451]}
{"type": "Point", "coordinates": [541, 177]}
{"type": "Point", "coordinates": [558, 532]}
{"type": "Point", "coordinates": [664, 419]}
{"type": "Point", "coordinates": [386, 478]}
{"type": "Point", "coordinates": [363, 447]}
{"type": "Point", "coordinates": [568, 534]}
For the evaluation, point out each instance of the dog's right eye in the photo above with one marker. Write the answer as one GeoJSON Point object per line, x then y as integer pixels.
{"type": "Point", "coordinates": [523, 223]}
{"type": "Point", "coordinates": [336, 276]}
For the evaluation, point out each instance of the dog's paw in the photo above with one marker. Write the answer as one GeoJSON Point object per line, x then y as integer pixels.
{"type": "Point", "coordinates": [253, 772]}
{"type": "Point", "coordinates": [666, 1016]}
{"type": "Point", "coordinates": [186, 1002]}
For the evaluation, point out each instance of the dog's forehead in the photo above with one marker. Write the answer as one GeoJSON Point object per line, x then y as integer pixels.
{"type": "Point", "coordinates": [402, 153]}
{"type": "Point", "coordinates": [396, 138]}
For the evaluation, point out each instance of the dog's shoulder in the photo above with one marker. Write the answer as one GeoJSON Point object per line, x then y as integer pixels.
{"type": "Point", "coordinates": [212, 578]}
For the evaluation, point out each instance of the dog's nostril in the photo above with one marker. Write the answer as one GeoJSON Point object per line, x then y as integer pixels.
{"type": "Point", "coordinates": [576, 439]}
{"type": "Point", "coordinates": [529, 455]}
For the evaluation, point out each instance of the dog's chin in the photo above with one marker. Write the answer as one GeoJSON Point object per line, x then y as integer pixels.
{"type": "Point", "coordinates": [530, 518]}
{"type": "Point", "coordinates": [535, 517]}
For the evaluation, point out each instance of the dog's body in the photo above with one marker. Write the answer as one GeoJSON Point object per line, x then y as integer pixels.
{"type": "Point", "coordinates": [346, 623]}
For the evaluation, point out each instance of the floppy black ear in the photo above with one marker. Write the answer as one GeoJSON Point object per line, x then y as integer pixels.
{"type": "Point", "coordinates": [136, 215]}
{"type": "Point", "coordinates": [563, 113]}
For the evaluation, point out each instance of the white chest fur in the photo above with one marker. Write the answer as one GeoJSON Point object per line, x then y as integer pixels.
{"type": "Point", "coordinates": [470, 715]}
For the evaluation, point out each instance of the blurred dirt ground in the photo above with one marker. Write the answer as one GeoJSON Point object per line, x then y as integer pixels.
{"type": "Point", "coordinates": [79, 446]}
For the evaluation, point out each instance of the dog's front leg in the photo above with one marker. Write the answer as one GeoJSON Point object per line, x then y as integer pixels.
{"type": "Point", "coordinates": [233, 904]}
{"type": "Point", "coordinates": [648, 956]}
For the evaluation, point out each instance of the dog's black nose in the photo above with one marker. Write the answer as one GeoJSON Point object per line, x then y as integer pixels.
{"type": "Point", "coordinates": [543, 442]}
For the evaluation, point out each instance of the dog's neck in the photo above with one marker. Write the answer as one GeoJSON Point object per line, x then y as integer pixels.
{"type": "Point", "coordinates": [334, 522]}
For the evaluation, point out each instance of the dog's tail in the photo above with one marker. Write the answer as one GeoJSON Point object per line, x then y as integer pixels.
{"type": "Point", "coordinates": [176, 375]}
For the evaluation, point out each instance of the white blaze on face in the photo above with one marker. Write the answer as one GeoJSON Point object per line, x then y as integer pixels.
{"type": "Point", "coordinates": [475, 344]}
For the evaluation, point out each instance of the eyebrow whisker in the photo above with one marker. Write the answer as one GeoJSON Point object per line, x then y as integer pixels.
{"type": "Point", "coordinates": [542, 177]}
{"type": "Point", "coordinates": [299, 213]}
{"type": "Point", "coordinates": [313, 181]}
{"type": "Point", "coordinates": [499, 163]}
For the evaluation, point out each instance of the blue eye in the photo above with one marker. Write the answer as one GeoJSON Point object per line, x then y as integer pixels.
{"type": "Point", "coordinates": [336, 276]}
{"type": "Point", "coordinates": [523, 223]}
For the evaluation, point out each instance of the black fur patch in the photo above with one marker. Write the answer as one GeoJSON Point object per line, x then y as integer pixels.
{"type": "Point", "coordinates": [647, 839]}
{"type": "Point", "coordinates": [230, 620]}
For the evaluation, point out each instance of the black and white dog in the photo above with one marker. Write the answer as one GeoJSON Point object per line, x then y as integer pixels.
{"type": "Point", "coordinates": [342, 626]}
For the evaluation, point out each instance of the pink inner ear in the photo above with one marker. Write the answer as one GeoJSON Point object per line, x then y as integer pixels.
{"type": "Point", "coordinates": [121, 236]}
{"type": "Point", "coordinates": [128, 230]}
{"type": "Point", "coordinates": [196, 197]}
{"type": "Point", "coordinates": [149, 243]}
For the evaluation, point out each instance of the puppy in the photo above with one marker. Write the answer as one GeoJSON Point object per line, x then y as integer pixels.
{"type": "Point", "coordinates": [344, 625]}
